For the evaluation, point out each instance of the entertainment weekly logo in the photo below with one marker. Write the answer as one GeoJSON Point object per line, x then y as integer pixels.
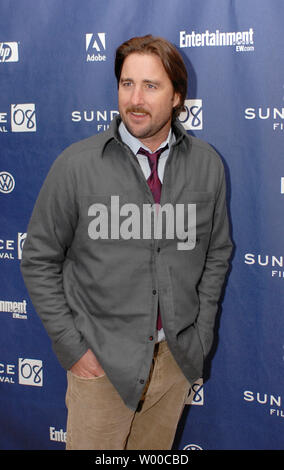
{"type": "Point", "coordinates": [15, 308]}
{"type": "Point", "coordinates": [242, 41]}
{"type": "Point", "coordinates": [107, 222]}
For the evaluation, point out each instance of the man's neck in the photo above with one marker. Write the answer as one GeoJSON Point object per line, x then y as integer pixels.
{"type": "Point", "coordinates": [134, 143]}
{"type": "Point", "coordinates": [154, 142]}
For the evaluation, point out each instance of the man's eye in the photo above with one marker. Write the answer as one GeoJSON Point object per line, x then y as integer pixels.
{"type": "Point", "coordinates": [126, 84]}
{"type": "Point", "coordinates": [151, 86]}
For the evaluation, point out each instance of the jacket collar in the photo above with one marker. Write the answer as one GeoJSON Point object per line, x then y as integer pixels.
{"type": "Point", "coordinates": [112, 133]}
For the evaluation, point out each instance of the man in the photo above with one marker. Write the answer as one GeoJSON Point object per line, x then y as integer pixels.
{"type": "Point", "coordinates": [120, 241]}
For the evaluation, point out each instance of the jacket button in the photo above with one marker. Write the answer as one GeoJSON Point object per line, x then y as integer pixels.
{"type": "Point", "coordinates": [154, 292]}
{"type": "Point", "coordinates": [158, 249]}
{"type": "Point", "coordinates": [151, 338]}
{"type": "Point", "coordinates": [142, 381]}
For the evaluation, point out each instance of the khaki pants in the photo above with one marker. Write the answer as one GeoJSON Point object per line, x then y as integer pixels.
{"type": "Point", "coordinates": [99, 420]}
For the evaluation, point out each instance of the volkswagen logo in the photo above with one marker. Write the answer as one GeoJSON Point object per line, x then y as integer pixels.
{"type": "Point", "coordinates": [7, 182]}
{"type": "Point", "coordinates": [192, 447]}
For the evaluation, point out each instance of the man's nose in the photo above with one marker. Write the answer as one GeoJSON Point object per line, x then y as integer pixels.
{"type": "Point", "coordinates": [137, 96]}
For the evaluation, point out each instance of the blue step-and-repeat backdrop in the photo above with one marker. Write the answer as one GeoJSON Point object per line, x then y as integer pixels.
{"type": "Point", "coordinates": [57, 86]}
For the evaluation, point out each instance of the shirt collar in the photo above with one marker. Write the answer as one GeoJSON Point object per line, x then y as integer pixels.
{"type": "Point", "coordinates": [135, 143]}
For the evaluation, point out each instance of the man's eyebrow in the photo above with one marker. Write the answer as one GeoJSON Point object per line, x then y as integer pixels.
{"type": "Point", "coordinates": [124, 79]}
{"type": "Point", "coordinates": [146, 80]}
{"type": "Point", "coordinates": [154, 82]}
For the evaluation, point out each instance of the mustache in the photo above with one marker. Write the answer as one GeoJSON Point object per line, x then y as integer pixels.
{"type": "Point", "coordinates": [136, 109]}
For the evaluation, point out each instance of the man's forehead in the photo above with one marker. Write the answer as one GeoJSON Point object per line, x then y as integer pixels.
{"type": "Point", "coordinates": [146, 65]}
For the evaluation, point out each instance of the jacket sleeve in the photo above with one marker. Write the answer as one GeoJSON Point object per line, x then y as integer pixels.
{"type": "Point", "coordinates": [49, 235]}
{"type": "Point", "coordinates": [216, 266]}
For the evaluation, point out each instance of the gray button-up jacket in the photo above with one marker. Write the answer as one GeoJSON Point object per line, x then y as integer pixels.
{"type": "Point", "coordinates": [98, 257]}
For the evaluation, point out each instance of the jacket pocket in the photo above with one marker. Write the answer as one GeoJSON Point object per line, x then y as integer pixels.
{"type": "Point", "coordinates": [202, 205]}
{"type": "Point", "coordinates": [86, 379]}
{"type": "Point", "coordinates": [199, 196]}
{"type": "Point", "coordinates": [191, 346]}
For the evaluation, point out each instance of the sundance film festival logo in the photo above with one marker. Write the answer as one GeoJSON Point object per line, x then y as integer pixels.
{"type": "Point", "coordinates": [9, 52]}
{"type": "Point", "coordinates": [196, 395]}
{"type": "Point", "coordinates": [267, 115]}
{"type": "Point", "coordinates": [22, 118]}
{"type": "Point", "coordinates": [128, 222]}
{"type": "Point", "coordinates": [272, 403]}
{"type": "Point", "coordinates": [273, 115]}
{"type": "Point", "coordinates": [274, 264]}
{"type": "Point", "coordinates": [12, 249]}
{"type": "Point", "coordinates": [192, 117]}
{"type": "Point", "coordinates": [101, 118]}
{"type": "Point", "coordinates": [95, 47]}
{"type": "Point", "coordinates": [30, 372]}
{"type": "Point", "coordinates": [7, 182]}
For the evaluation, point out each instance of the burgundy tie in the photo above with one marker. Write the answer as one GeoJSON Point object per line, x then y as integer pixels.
{"type": "Point", "coordinates": [155, 185]}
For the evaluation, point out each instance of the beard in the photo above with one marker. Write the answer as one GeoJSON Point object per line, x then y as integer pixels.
{"type": "Point", "coordinates": [148, 130]}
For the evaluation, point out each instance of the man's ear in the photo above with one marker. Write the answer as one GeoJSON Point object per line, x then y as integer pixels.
{"type": "Point", "coordinates": [176, 100]}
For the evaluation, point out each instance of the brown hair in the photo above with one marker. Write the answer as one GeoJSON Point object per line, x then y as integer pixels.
{"type": "Point", "coordinates": [169, 55]}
